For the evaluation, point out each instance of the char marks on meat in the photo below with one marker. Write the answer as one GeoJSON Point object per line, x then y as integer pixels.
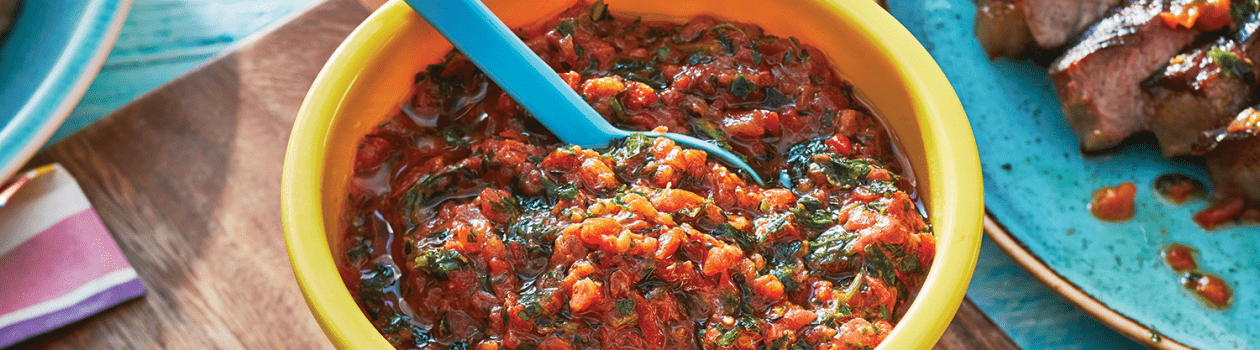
{"type": "Point", "coordinates": [1099, 78]}
{"type": "Point", "coordinates": [1020, 28]}
{"type": "Point", "coordinates": [1202, 90]}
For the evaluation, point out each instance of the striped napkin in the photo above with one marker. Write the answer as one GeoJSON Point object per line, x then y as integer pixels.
{"type": "Point", "coordinates": [58, 264]}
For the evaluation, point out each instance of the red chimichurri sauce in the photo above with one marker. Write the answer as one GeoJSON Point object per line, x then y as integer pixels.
{"type": "Point", "coordinates": [1180, 257]}
{"type": "Point", "coordinates": [1178, 188]}
{"type": "Point", "coordinates": [1208, 287]}
{"type": "Point", "coordinates": [471, 227]}
{"type": "Point", "coordinates": [1114, 203]}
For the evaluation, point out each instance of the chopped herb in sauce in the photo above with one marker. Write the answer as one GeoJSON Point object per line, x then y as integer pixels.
{"type": "Point", "coordinates": [1231, 65]}
{"type": "Point", "coordinates": [495, 235]}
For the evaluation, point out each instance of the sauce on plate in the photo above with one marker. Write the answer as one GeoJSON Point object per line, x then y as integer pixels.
{"type": "Point", "coordinates": [1113, 203]}
{"type": "Point", "coordinates": [1208, 287]}
{"type": "Point", "coordinates": [1178, 188]}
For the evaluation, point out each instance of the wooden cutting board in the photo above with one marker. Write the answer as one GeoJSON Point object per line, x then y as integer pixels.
{"type": "Point", "coordinates": [187, 178]}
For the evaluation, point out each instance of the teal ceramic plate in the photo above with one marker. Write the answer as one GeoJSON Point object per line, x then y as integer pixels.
{"type": "Point", "coordinates": [47, 61]}
{"type": "Point", "coordinates": [1038, 185]}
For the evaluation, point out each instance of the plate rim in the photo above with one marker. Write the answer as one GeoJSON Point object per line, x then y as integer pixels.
{"type": "Point", "coordinates": [1064, 288]}
{"type": "Point", "coordinates": [65, 105]}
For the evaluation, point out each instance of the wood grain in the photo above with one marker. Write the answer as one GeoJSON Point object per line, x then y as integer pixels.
{"type": "Point", "coordinates": [374, 4]}
{"type": "Point", "coordinates": [163, 39]}
{"type": "Point", "coordinates": [971, 329]}
{"type": "Point", "coordinates": [187, 179]}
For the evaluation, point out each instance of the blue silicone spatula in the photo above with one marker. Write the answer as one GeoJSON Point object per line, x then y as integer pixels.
{"type": "Point", "coordinates": [491, 46]}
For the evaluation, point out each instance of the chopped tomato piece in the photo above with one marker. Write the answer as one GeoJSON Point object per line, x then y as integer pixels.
{"type": "Point", "coordinates": [669, 242]}
{"type": "Point", "coordinates": [643, 246]}
{"type": "Point", "coordinates": [858, 333]}
{"type": "Point", "coordinates": [603, 87]}
{"type": "Point", "coordinates": [1247, 121]}
{"type": "Point", "coordinates": [640, 205]}
{"type": "Point", "coordinates": [1180, 192]}
{"type": "Point", "coordinates": [639, 95]}
{"type": "Point", "coordinates": [586, 293]}
{"type": "Point", "coordinates": [616, 244]}
{"type": "Point", "coordinates": [743, 125]}
{"type": "Point", "coordinates": [1211, 288]}
{"type": "Point", "coordinates": [488, 345]}
{"type": "Point", "coordinates": [673, 200]}
{"type": "Point", "coordinates": [860, 218]}
{"type": "Point", "coordinates": [1220, 213]}
{"type": "Point", "coordinates": [875, 294]}
{"type": "Point", "coordinates": [769, 287]}
{"type": "Point", "coordinates": [1180, 257]}
{"type": "Point", "coordinates": [839, 144]}
{"type": "Point", "coordinates": [720, 259]}
{"type": "Point", "coordinates": [770, 120]}
{"type": "Point", "coordinates": [595, 229]}
{"type": "Point", "coordinates": [880, 175]}
{"type": "Point", "coordinates": [779, 198]}
{"type": "Point", "coordinates": [496, 205]}
{"type": "Point", "coordinates": [1204, 15]}
{"type": "Point", "coordinates": [797, 318]}
{"type": "Point", "coordinates": [1114, 203]}
{"type": "Point", "coordinates": [596, 175]}
{"type": "Point", "coordinates": [572, 78]}
{"type": "Point", "coordinates": [579, 270]}
{"type": "Point", "coordinates": [372, 152]}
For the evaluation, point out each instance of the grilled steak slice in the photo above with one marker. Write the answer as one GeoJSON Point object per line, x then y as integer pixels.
{"type": "Point", "coordinates": [1002, 29]}
{"type": "Point", "coordinates": [1233, 158]}
{"type": "Point", "coordinates": [1099, 78]}
{"type": "Point", "coordinates": [1054, 22]}
{"type": "Point", "coordinates": [1018, 28]}
{"type": "Point", "coordinates": [1235, 169]}
{"type": "Point", "coordinates": [1202, 90]}
{"type": "Point", "coordinates": [1233, 164]}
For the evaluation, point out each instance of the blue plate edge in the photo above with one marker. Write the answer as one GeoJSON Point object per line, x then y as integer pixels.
{"type": "Point", "coordinates": [81, 65]}
{"type": "Point", "coordinates": [1035, 266]}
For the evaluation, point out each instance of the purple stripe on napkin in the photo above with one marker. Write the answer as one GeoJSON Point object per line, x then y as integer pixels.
{"type": "Point", "coordinates": [58, 263]}
{"type": "Point", "coordinates": [98, 302]}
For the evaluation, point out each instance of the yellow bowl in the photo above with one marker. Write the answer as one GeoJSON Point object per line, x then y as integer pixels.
{"type": "Point", "coordinates": [370, 74]}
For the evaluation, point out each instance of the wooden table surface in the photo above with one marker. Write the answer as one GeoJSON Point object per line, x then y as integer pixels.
{"type": "Point", "coordinates": [187, 179]}
{"type": "Point", "coordinates": [163, 39]}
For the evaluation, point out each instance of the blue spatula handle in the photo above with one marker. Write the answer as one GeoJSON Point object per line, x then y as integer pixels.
{"type": "Point", "coordinates": [489, 44]}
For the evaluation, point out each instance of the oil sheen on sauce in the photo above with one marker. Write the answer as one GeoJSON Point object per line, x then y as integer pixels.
{"type": "Point", "coordinates": [471, 227]}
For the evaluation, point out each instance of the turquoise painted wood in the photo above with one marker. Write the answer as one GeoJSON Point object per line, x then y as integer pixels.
{"type": "Point", "coordinates": [165, 38]}
{"type": "Point", "coordinates": [1031, 314]}
{"type": "Point", "coordinates": [48, 56]}
{"type": "Point", "coordinates": [1038, 185]}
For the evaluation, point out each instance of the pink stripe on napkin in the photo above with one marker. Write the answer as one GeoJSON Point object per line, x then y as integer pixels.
{"type": "Point", "coordinates": [57, 261]}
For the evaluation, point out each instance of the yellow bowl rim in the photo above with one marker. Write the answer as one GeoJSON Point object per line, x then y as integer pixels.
{"type": "Point", "coordinates": [943, 127]}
